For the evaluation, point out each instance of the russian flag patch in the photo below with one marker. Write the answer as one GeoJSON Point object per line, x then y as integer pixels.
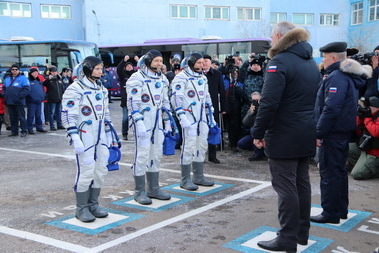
{"type": "Point", "coordinates": [271, 69]}
{"type": "Point", "coordinates": [332, 89]}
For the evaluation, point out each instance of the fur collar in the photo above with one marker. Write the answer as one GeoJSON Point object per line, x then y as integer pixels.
{"type": "Point", "coordinates": [289, 39]}
{"type": "Point", "coordinates": [354, 67]}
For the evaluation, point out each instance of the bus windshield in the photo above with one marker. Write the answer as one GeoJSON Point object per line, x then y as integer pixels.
{"type": "Point", "coordinates": [42, 54]}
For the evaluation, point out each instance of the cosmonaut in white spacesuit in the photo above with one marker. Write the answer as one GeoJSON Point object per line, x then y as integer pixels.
{"type": "Point", "coordinates": [85, 115]}
{"type": "Point", "coordinates": [147, 92]}
{"type": "Point", "coordinates": [192, 102]}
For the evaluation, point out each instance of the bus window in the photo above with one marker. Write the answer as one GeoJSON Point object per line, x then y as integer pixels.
{"type": "Point", "coordinates": [62, 62]}
{"type": "Point", "coordinates": [8, 55]}
{"type": "Point", "coordinates": [35, 54]}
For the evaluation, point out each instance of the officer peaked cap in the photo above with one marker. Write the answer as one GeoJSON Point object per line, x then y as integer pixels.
{"type": "Point", "coordinates": [334, 47]}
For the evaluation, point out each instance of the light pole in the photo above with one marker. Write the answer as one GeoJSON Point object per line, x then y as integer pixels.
{"type": "Point", "coordinates": [98, 26]}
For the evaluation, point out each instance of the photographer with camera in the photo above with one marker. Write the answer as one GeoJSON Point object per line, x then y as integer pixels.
{"type": "Point", "coordinates": [372, 87]}
{"type": "Point", "coordinates": [235, 99]}
{"type": "Point", "coordinates": [251, 75]}
{"type": "Point", "coordinates": [364, 155]}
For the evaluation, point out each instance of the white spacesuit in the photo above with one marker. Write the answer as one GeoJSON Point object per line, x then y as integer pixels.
{"type": "Point", "coordinates": [84, 114]}
{"type": "Point", "coordinates": [147, 92]}
{"type": "Point", "coordinates": [189, 98]}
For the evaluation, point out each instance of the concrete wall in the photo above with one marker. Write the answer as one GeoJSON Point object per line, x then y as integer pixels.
{"type": "Point", "coordinates": [43, 28]}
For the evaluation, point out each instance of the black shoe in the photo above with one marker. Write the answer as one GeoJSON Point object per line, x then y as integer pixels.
{"type": "Point", "coordinates": [343, 217]}
{"type": "Point", "coordinates": [31, 132]}
{"type": "Point", "coordinates": [234, 149]}
{"type": "Point", "coordinates": [255, 157]}
{"type": "Point", "coordinates": [302, 242]}
{"type": "Point", "coordinates": [125, 137]}
{"type": "Point", "coordinates": [41, 131]}
{"type": "Point", "coordinates": [275, 245]}
{"type": "Point", "coordinates": [214, 160]}
{"type": "Point", "coordinates": [322, 219]}
{"type": "Point", "coordinates": [53, 129]}
{"type": "Point", "coordinates": [61, 128]}
{"type": "Point", "coordinates": [8, 128]}
{"type": "Point", "coordinates": [13, 134]}
{"type": "Point", "coordinates": [23, 134]}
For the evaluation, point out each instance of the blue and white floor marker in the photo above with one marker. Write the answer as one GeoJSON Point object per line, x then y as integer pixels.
{"type": "Point", "coordinates": [156, 206]}
{"type": "Point", "coordinates": [248, 242]}
{"type": "Point", "coordinates": [353, 219]}
{"type": "Point", "coordinates": [202, 191]}
{"type": "Point", "coordinates": [114, 219]}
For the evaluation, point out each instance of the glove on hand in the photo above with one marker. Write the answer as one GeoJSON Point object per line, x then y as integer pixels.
{"type": "Point", "coordinates": [78, 144]}
{"type": "Point", "coordinates": [184, 122]}
{"type": "Point", "coordinates": [141, 129]}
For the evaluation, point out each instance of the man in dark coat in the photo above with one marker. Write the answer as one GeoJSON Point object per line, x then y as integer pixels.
{"type": "Point", "coordinates": [336, 110]}
{"type": "Point", "coordinates": [124, 70]}
{"type": "Point", "coordinates": [285, 126]}
{"type": "Point", "coordinates": [217, 92]}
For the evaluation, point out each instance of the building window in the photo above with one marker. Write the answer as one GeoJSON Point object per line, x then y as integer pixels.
{"type": "Point", "coordinates": [374, 10]}
{"type": "Point", "coordinates": [303, 19]}
{"type": "Point", "coordinates": [249, 13]}
{"type": "Point", "coordinates": [56, 11]}
{"type": "Point", "coordinates": [15, 9]}
{"type": "Point", "coordinates": [216, 12]}
{"type": "Point", "coordinates": [276, 18]}
{"type": "Point", "coordinates": [329, 19]}
{"type": "Point", "coordinates": [357, 13]}
{"type": "Point", "coordinates": [183, 11]}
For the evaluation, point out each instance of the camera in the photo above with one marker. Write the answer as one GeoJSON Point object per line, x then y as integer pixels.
{"type": "Point", "coordinates": [229, 60]}
{"type": "Point", "coordinates": [364, 112]}
{"type": "Point", "coordinates": [258, 57]}
{"type": "Point", "coordinates": [364, 141]}
{"type": "Point", "coordinates": [255, 103]}
{"type": "Point", "coordinates": [364, 59]}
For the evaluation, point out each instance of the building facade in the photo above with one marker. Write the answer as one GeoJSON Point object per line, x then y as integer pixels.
{"type": "Point", "coordinates": [127, 21]}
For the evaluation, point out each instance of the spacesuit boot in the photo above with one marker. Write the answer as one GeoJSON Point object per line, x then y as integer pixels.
{"type": "Point", "coordinates": [93, 203]}
{"type": "Point", "coordinates": [186, 182]}
{"type": "Point", "coordinates": [199, 178]}
{"type": "Point", "coordinates": [153, 190]}
{"type": "Point", "coordinates": [140, 194]}
{"type": "Point", "coordinates": [82, 209]}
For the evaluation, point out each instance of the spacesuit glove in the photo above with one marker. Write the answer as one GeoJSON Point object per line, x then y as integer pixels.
{"type": "Point", "coordinates": [78, 144]}
{"type": "Point", "coordinates": [167, 126]}
{"type": "Point", "coordinates": [184, 122]}
{"type": "Point", "coordinates": [109, 138]}
{"type": "Point", "coordinates": [141, 129]}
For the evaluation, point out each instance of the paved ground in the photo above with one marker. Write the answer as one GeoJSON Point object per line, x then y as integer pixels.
{"type": "Point", "coordinates": [37, 206]}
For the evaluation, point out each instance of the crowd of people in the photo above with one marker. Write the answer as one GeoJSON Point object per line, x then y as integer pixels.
{"type": "Point", "coordinates": [283, 107]}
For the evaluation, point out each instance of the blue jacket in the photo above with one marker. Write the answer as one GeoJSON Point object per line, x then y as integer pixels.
{"type": "Point", "coordinates": [16, 89]}
{"type": "Point", "coordinates": [337, 99]}
{"type": "Point", "coordinates": [107, 80]}
{"type": "Point", "coordinates": [36, 95]}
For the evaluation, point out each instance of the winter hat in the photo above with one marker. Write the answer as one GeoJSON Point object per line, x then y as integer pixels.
{"type": "Point", "coordinates": [377, 48]}
{"type": "Point", "coordinates": [374, 101]}
{"type": "Point", "coordinates": [256, 61]}
{"type": "Point", "coordinates": [33, 70]}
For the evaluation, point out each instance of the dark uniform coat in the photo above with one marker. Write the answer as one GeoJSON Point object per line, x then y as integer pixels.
{"type": "Point", "coordinates": [286, 119]}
